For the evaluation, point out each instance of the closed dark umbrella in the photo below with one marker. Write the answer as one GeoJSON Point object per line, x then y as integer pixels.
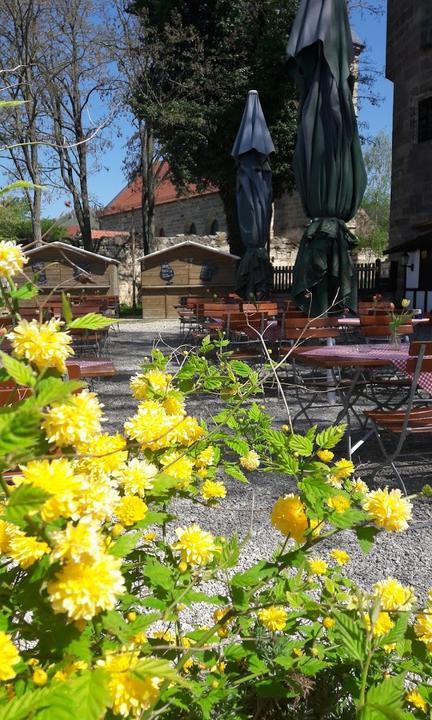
{"type": "Point", "coordinates": [328, 162]}
{"type": "Point", "coordinates": [251, 150]}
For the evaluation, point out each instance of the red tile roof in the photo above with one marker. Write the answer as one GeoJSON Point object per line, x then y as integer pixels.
{"type": "Point", "coordinates": [74, 231]}
{"type": "Point", "coordinates": [130, 197]}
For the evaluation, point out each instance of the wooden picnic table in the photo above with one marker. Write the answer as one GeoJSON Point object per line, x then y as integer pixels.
{"type": "Point", "coordinates": [91, 368]}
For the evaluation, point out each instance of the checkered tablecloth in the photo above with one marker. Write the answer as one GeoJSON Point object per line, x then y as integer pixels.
{"type": "Point", "coordinates": [398, 357]}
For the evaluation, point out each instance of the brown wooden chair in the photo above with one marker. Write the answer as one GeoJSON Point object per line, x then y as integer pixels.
{"type": "Point", "coordinates": [378, 326]}
{"type": "Point", "coordinates": [413, 419]}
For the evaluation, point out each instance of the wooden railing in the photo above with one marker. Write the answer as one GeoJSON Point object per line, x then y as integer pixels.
{"type": "Point", "coordinates": [367, 275]}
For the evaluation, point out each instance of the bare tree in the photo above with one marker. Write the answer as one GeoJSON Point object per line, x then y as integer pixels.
{"type": "Point", "coordinates": [77, 91]}
{"type": "Point", "coordinates": [22, 120]}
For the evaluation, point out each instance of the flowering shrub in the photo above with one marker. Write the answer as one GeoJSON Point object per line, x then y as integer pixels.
{"type": "Point", "coordinates": [96, 571]}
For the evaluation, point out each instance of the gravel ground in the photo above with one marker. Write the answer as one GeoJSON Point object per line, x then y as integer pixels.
{"type": "Point", "coordinates": [407, 556]}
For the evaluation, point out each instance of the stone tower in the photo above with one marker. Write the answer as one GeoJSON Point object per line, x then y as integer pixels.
{"type": "Point", "coordinates": [409, 67]}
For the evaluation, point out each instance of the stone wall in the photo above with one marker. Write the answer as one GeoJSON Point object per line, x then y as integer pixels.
{"type": "Point", "coordinates": [195, 216]}
{"type": "Point", "coordinates": [409, 66]}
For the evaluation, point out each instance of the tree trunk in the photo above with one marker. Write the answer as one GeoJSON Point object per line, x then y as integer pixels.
{"type": "Point", "coordinates": [228, 196]}
{"type": "Point", "coordinates": [36, 216]}
{"type": "Point", "coordinates": [148, 186]}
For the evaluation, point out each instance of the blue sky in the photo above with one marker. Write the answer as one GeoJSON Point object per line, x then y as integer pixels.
{"type": "Point", "coordinates": [110, 178]}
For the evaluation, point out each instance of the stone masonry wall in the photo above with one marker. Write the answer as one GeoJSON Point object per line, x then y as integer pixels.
{"type": "Point", "coordinates": [409, 66]}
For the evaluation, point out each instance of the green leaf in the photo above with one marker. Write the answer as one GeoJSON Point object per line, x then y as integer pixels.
{"type": "Point", "coordinates": [124, 545]}
{"type": "Point", "coordinates": [347, 519]}
{"type": "Point", "coordinates": [385, 701]}
{"type": "Point", "coordinates": [157, 574]}
{"type": "Point", "coordinates": [157, 667]}
{"type": "Point", "coordinates": [397, 633]}
{"type": "Point", "coordinates": [25, 500]}
{"type": "Point", "coordinates": [25, 292]}
{"type": "Point", "coordinates": [239, 446]}
{"type": "Point", "coordinates": [26, 706]}
{"type": "Point", "coordinates": [366, 536]}
{"type": "Point", "coordinates": [240, 368]}
{"type": "Point", "coordinates": [19, 431]}
{"type": "Point", "coordinates": [17, 370]}
{"type": "Point", "coordinates": [19, 185]}
{"type": "Point", "coordinates": [350, 635]}
{"type": "Point", "coordinates": [235, 472]}
{"type": "Point", "coordinates": [261, 571]}
{"type": "Point", "coordinates": [52, 389]}
{"type": "Point", "coordinates": [114, 624]}
{"type": "Point", "coordinates": [91, 321]}
{"type": "Point", "coordinates": [301, 445]}
{"type": "Point", "coordinates": [66, 308]}
{"type": "Point", "coordinates": [90, 694]}
{"type": "Point", "coordinates": [330, 437]}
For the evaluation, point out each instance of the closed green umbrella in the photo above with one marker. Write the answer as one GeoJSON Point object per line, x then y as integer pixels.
{"type": "Point", "coordinates": [251, 150]}
{"type": "Point", "coordinates": [328, 162]}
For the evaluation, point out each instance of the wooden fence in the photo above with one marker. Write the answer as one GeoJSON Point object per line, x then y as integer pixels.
{"type": "Point", "coordinates": [367, 275]}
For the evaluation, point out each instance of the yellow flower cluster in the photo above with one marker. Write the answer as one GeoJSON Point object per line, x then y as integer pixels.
{"type": "Point", "coordinates": [382, 625]}
{"type": "Point", "coordinates": [154, 429]}
{"type": "Point", "coordinates": [393, 596]}
{"type": "Point", "coordinates": [102, 454]}
{"type": "Point", "coordinates": [74, 423]}
{"type": "Point", "coordinates": [251, 461]}
{"type": "Point", "coordinates": [42, 344]}
{"type": "Point", "coordinates": [388, 509]}
{"type": "Point", "coordinates": [130, 510]}
{"type": "Point", "coordinates": [416, 700]}
{"type": "Point", "coordinates": [9, 657]}
{"type": "Point", "coordinates": [131, 694]}
{"type": "Point", "coordinates": [197, 546]}
{"type": "Point", "coordinates": [12, 259]}
{"type": "Point", "coordinates": [317, 566]}
{"type": "Point", "coordinates": [273, 618]}
{"type": "Point", "coordinates": [339, 503]}
{"type": "Point", "coordinates": [325, 456]}
{"type": "Point", "coordinates": [58, 478]}
{"type": "Point", "coordinates": [289, 517]}
{"type": "Point", "coordinates": [155, 380]}
{"type": "Point", "coordinates": [137, 476]}
{"type": "Point", "coordinates": [213, 490]}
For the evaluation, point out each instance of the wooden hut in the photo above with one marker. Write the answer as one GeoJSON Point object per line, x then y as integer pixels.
{"type": "Point", "coordinates": [57, 266]}
{"type": "Point", "coordinates": [188, 268]}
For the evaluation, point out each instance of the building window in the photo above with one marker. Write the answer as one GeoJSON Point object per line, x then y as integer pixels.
{"type": "Point", "coordinates": [214, 228]}
{"type": "Point", "coordinates": [161, 232]}
{"type": "Point", "coordinates": [192, 229]}
{"type": "Point", "coordinates": [425, 120]}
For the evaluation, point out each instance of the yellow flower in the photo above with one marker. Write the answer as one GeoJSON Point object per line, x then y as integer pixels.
{"type": "Point", "coordinates": [130, 510]}
{"type": "Point", "coordinates": [58, 478]}
{"type": "Point", "coordinates": [179, 467]}
{"type": "Point", "coordinates": [414, 697]}
{"type": "Point", "coordinates": [289, 517]}
{"type": "Point", "coordinates": [82, 590]}
{"type": "Point", "coordinates": [9, 657]}
{"type": "Point", "coordinates": [298, 652]}
{"type": "Point", "coordinates": [205, 458]}
{"type": "Point", "coordinates": [75, 422]}
{"type": "Point", "coordinates": [78, 543]}
{"type": "Point", "coordinates": [338, 503]}
{"type": "Point", "coordinates": [40, 677]}
{"type": "Point", "coordinates": [382, 625]}
{"type": "Point", "coordinates": [334, 481]}
{"type": "Point", "coordinates": [151, 426]}
{"type": "Point", "coordinates": [328, 622]}
{"type": "Point", "coordinates": [7, 531]}
{"type": "Point", "coordinates": [131, 694]}
{"type": "Point", "coordinates": [273, 618]}
{"type": "Point", "coordinates": [406, 303]}
{"type": "Point", "coordinates": [343, 468]}
{"type": "Point", "coordinates": [138, 476]}
{"type": "Point", "coordinates": [104, 453]}
{"type": "Point", "coordinates": [202, 473]}
{"type": "Point", "coordinates": [317, 566]}
{"type": "Point", "coordinates": [12, 259]}
{"type": "Point", "coordinates": [42, 344]}
{"type": "Point", "coordinates": [155, 380]}
{"type": "Point", "coordinates": [389, 647]}
{"type": "Point", "coordinates": [174, 404]}
{"type": "Point", "coordinates": [149, 536]}
{"type": "Point", "coordinates": [98, 500]}
{"type": "Point", "coordinates": [186, 432]}
{"type": "Point", "coordinates": [393, 596]}
{"type": "Point", "coordinates": [423, 629]}
{"type": "Point", "coordinates": [340, 556]}
{"type": "Point", "coordinates": [197, 546]}
{"type": "Point", "coordinates": [389, 510]}
{"type": "Point", "coordinates": [27, 550]}
{"type": "Point", "coordinates": [359, 486]}
{"type": "Point", "coordinates": [251, 461]}
{"type": "Point", "coordinates": [213, 490]}
{"type": "Point", "coordinates": [325, 456]}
